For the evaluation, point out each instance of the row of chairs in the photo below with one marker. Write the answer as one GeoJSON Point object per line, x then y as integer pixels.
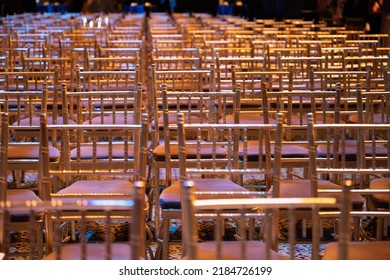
{"type": "Point", "coordinates": [201, 105]}
{"type": "Point", "coordinates": [227, 155]}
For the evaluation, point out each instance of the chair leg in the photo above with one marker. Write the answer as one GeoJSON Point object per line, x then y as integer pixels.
{"type": "Point", "coordinates": [304, 228]}
{"type": "Point", "coordinates": [165, 238]}
{"type": "Point", "coordinates": [39, 234]}
{"type": "Point", "coordinates": [379, 228]}
{"type": "Point", "coordinates": [17, 178]}
{"type": "Point", "coordinates": [156, 204]}
{"type": "Point", "coordinates": [356, 229]}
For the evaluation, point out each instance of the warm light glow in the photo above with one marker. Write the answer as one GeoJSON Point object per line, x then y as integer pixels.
{"type": "Point", "coordinates": [84, 21]}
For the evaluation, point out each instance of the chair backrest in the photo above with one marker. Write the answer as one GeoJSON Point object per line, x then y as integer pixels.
{"type": "Point", "coordinates": [98, 151]}
{"type": "Point", "coordinates": [29, 80]}
{"type": "Point", "coordinates": [349, 149]}
{"type": "Point", "coordinates": [105, 80]}
{"type": "Point", "coordinates": [244, 211]}
{"type": "Point", "coordinates": [354, 156]}
{"type": "Point", "coordinates": [104, 212]}
{"type": "Point", "coordinates": [104, 106]}
{"type": "Point", "coordinates": [197, 108]}
{"type": "Point", "coordinates": [224, 150]}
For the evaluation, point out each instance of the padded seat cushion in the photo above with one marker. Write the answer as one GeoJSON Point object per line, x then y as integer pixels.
{"type": "Point", "coordinates": [302, 188]}
{"type": "Point", "coordinates": [374, 250]}
{"type": "Point", "coordinates": [380, 201]}
{"type": "Point", "coordinates": [30, 151]}
{"type": "Point", "coordinates": [351, 150]}
{"type": "Point", "coordinates": [110, 119]}
{"type": "Point", "coordinates": [170, 197]}
{"type": "Point", "coordinates": [21, 195]}
{"type": "Point", "coordinates": [97, 187]}
{"type": "Point", "coordinates": [302, 120]}
{"type": "Point", "coordinates": [288, 150]}
{"type": "Point", "coordinates": [247, 118]}
{"type": "Point", "coordinates": [376, 118]}
{"type": "Point", "coordinates": [188, 118]}
{"type": "Point", "coordinates": [35, 121]}
{"type": "Point", "coordinates": [231, 250]}
{"type": "Point", "coordinates": [95, 251]}
{"type": "Point", "coordinates": [103, 152]}
{"type": "Point", "coordinates": [191, 151]}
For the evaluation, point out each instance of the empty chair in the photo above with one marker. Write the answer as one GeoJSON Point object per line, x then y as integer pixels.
{"type": "Point", "coordinates": [104, 212]}
{"type": "Point", "coordinates": [105, 106]}
{"type": "Point", "coordinates": [24, 108]}
{"type": "Point", "coordinates": [128, 209]}
{"type": "Point", "coordinates": [215, 163]}
{"type": "Point", "coordinates": [245, 211]}
{"type": "Point", "coordinates": [17, 219]}
{"type": "Point", "coordinates": [96, 161]}
{"type": "Point", "coordinates": [198, 108]}
{"type": "Point", "coordinates": [105, 80]}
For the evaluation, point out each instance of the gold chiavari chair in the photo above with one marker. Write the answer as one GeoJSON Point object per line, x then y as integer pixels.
{"type": "Point", "coordinates": [16, 220]}
{"type": "Point", "coordinates": [128, 209]}
{"type": "Point", "coordinates": [100, 160]}
{"type": "Point", "coordinates": [104, 212]}
{"type": "Point", "coordinates": [197, 107]}
{"type": "Point", "coordinates": [216, 163]}
{"type": "Point", "coordinates": [250, 244]}
{"type": "Point", "coordinates": [371, 161]}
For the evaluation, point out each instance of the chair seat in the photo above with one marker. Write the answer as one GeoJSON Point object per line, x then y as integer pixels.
{"type": "Point", "coordinates": [380, 201]}
{"type": "Point", "coordinates": [375, 118]}
{"type": "Point", "coordinates": [247, 118]}
{"type": "Point", "coordinates": [21, 195]}
{"type": "Point", "coordinates": [350, 150]}
{"type": "Point", "coordinates": [255, 250]}
{"type": "Point", "coordinates": [172, 119]}
{"type": "Point", "coordinates": [374, 250]}
{"type": "Point", "coordinates": [94, 251]}
{"type": "Point", "coordinates": [96, 187]}
{"type": "Point", "coordinates": [170, 198]}
{"type": "Point", "coordinates": [302, 188]}
{"type": "Point", "coordinates": [30, 151]}
{"type": "Point", "coordinates": [35, 121]}
{"type": "Point", "coordinates": [110, 119]}
{"type": "Point", "coordinates": [288, 150]}
{"type": "Point", "coordinates": [191, 151]}
{"type": "Point", "coordinates": [302, 120]}
{"type": "Point", "coordinates": [103, 151]}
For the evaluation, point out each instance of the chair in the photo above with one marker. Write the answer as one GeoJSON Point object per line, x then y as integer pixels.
{"type": "Point", "coordinates": [29, 80]}
{"type": "Point", "coordinates": [215, 163]}
{"type": "Point", "coordinates": [105, 80]}
{"type": "Point", "coordinates": [113, 62]}
{"type": "Point", "coordinates": [102, 211]}
{"type": "Point", "coordinates": [368, 179]}
{"type": "Point", "coordinates": [96, 160]}
{"type": "Point", "coordinates": [225, 67]}
{"type": "Point", "coordinates": [105, 106]}
{"type": "Point", "coordinates": [24, 109]}
{"type": "Point", "coordinates": [197, 107]}
{"type": "Point", "coordinates": [220, 208]}
{"type": "Point", "coordinates": [16, 219]}
{"type": "Point", "coordinates": [128, 210]}
{"type": "Point", "coordinates": [175, 80]}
